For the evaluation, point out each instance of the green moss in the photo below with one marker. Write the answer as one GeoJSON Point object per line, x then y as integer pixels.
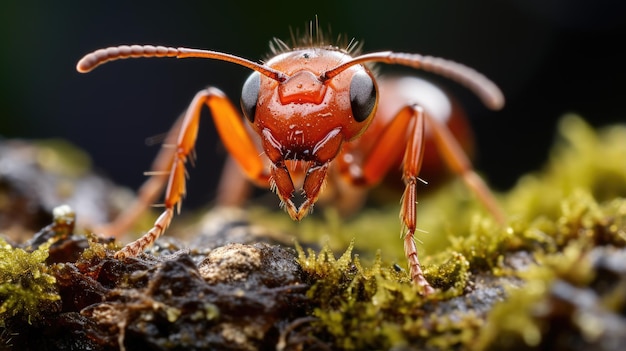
{"type": "Point", "coordinates": [557, 217]}
{"type": "Point", "coordinates": [25, 285]}
{"type": "Point", "coordinates": [352, 298]}
{"type": "Point", "coordinates": [518, 319]}
{"type": "Point", "coordinates": [582, 227]}
{"type": "Point", "coordinates": [376, 307]}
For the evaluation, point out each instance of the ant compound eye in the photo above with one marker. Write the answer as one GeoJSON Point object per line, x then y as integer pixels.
{"type": "Point", "coordinates": [250, 95]}
{"type": "Point", "coordinates": [362, 96]}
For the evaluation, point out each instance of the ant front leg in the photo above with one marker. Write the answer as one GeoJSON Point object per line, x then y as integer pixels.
{"type": "Point", "coordinates": [392, 142]}
{"type": "Point", "coordinates": [382, 156]}
{"type": "Point", "coordinates": [411, 166]}
{"type": "Point", "coordinates": [235, 138]}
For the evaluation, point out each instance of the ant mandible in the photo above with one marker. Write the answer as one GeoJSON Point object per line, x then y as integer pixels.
{"type": "Point", "coordinates": [309, 108]}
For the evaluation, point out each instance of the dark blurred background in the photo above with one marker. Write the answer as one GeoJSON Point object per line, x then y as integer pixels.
{"type": "Point", "coordinates": [550, 57]}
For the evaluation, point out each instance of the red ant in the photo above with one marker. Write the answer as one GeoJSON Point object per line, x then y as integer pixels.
{"type": "Point", "coordinates": [315, 112]}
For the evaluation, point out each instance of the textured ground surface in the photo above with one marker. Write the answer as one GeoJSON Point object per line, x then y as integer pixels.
{"type": "Point", "coordinates": [553, 278]}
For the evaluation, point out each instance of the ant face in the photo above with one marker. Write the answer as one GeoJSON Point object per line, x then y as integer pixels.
{"type": "Point", "coordinates": [306, 117]}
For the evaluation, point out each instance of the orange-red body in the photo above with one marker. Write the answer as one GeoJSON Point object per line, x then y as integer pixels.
{"type": "Point", "coordinates": [317, 114]}
{"type": "Point", "coordinates": [345, 189]}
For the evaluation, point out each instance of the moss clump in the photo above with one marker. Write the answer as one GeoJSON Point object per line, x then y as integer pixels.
{"type": "Point", "coordinates": [566, 302]}
{"type": "Point", "coordinates": [359, 307]}
{"type": "Point", "coordinates": [577, 288]}
{"type": "Point", "coordinates": [25, 285]}
{"type": "Point", "coordinates": [375, 307]}
{"type": "Point", "coordinates": [559, 219]}
{"type": "Point", "coordinates": [351, 298]}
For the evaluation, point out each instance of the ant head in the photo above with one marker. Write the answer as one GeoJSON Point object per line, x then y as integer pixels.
{"type": "Point", "coordinates": [306, 109]}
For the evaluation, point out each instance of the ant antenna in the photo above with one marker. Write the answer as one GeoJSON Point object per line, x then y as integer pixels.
{"type": "Point", "coordinates": [98, 57]}
{"type": "Point", "coordinates": [480, 85]}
